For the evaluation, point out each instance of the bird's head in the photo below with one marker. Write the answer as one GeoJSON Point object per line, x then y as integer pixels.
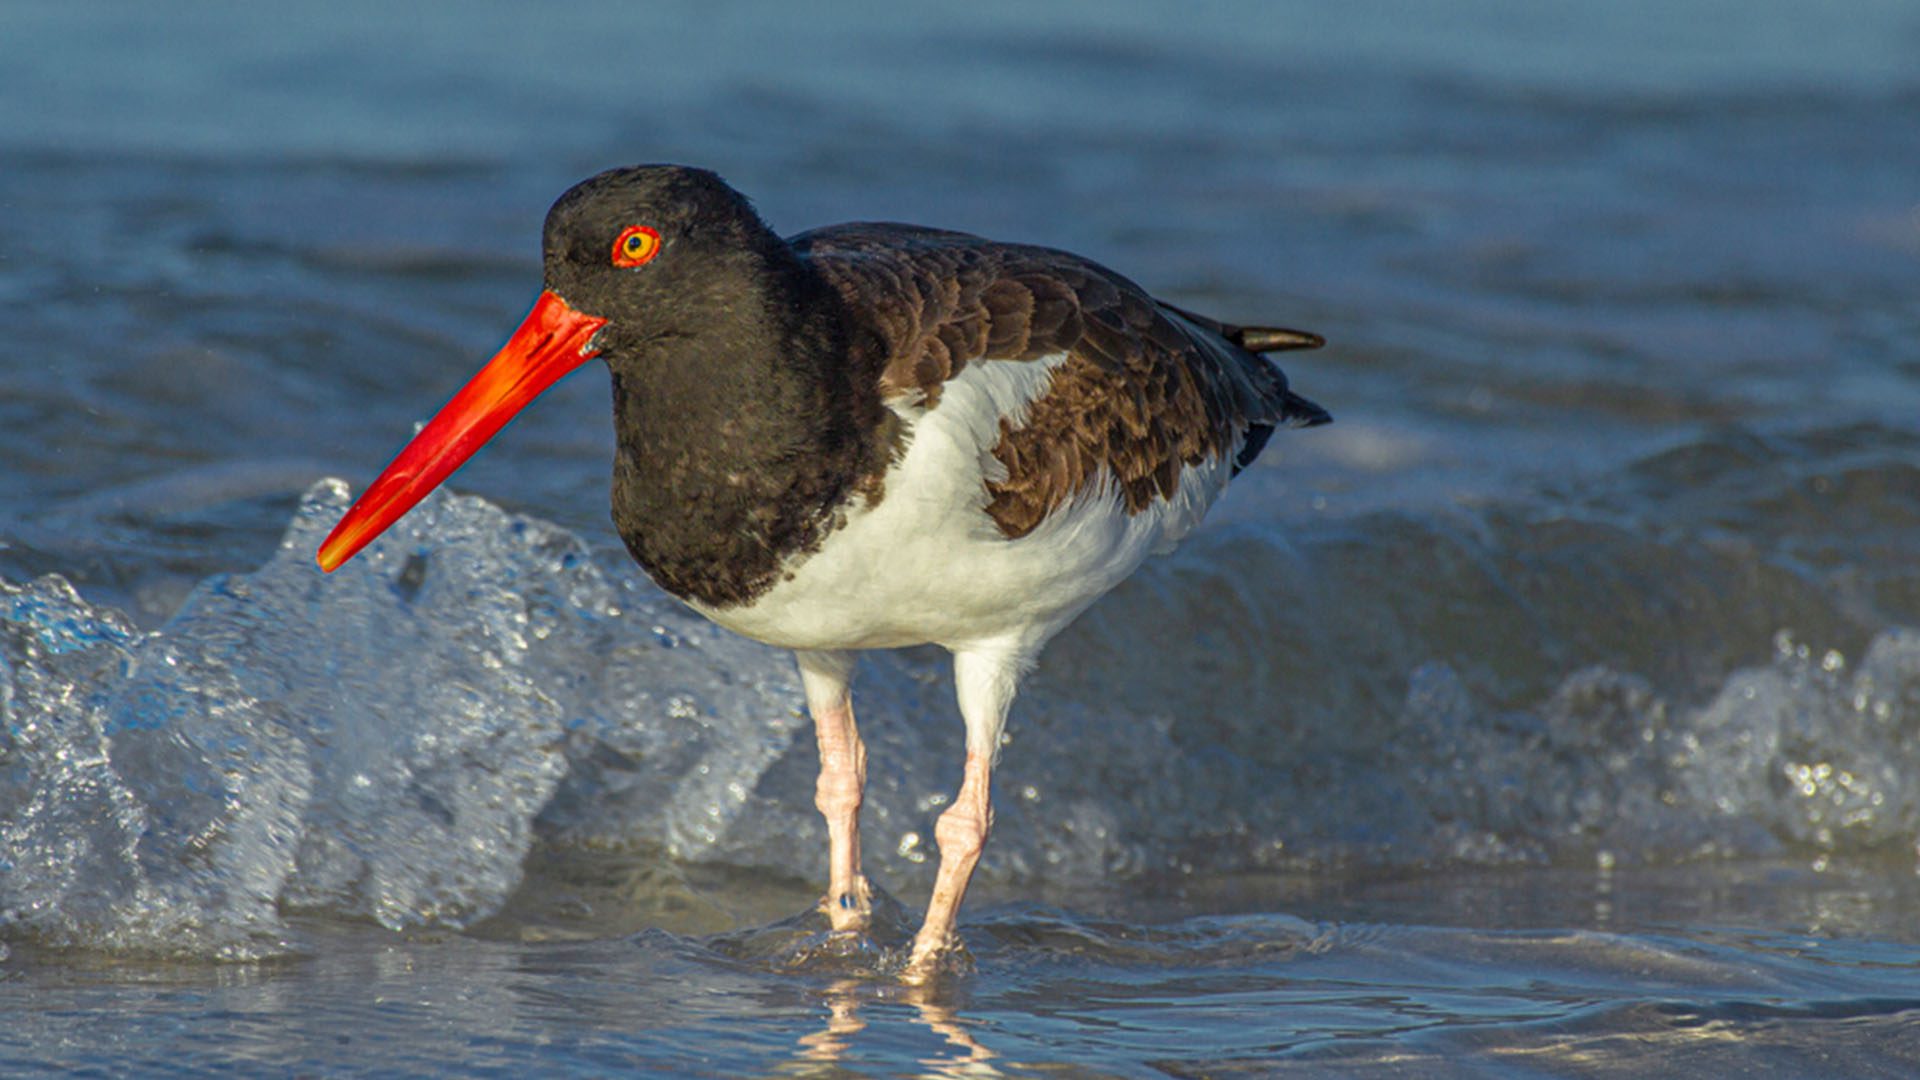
{"type": "Point", "coordinates": [632, 256]}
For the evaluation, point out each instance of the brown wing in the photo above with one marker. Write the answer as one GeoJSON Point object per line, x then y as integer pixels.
{"type": "Point", "coordinates": [1145, 391]}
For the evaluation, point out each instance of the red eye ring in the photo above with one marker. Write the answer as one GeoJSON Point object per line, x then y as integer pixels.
{"type": "Point", "coordinates": [636, 244]}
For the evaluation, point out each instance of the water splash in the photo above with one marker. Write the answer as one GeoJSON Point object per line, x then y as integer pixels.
{"type": "Point", "coordinates": [375, 744]}
{"type": "Point", "coordinates": [390, 742]}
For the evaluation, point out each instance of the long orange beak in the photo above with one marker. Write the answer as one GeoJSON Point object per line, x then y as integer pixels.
{"type": "Point", "coordinates": [551, 342]}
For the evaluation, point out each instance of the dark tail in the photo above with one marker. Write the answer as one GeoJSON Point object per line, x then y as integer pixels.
{"type": "Point", "coordinates": [1296, 411]}
{"type": "Point", "coordinates": [1293, 411]}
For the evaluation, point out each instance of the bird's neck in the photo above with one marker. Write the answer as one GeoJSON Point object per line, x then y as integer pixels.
{"type": "Point", "coordinates": [738, 441]}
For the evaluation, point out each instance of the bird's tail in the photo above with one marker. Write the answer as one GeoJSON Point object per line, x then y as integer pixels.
{"type": "Point", "coordinates": [1278, 406]}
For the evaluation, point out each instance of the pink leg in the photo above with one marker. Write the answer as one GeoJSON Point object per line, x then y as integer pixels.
{"type": "Point", "coordinates": [961, 833]}
{"type": "Point", "coordinates": [843, 780]}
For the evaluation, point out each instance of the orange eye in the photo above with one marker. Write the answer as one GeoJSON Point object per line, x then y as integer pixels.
{"type": "Point", "coordinates": [636, 245]}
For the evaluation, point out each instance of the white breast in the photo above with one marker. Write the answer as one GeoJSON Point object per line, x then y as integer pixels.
{"type": "Point", "coordinates": [926, 564]}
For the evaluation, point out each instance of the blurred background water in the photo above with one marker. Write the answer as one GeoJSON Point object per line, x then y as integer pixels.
{"type": "Point", "coordinates": [1554, 710]}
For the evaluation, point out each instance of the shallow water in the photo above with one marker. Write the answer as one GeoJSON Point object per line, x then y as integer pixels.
{"type": "Point", "coordinates": [1552, 711]}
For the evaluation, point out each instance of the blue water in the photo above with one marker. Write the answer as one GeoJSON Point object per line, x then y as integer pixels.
{"type": "Point", "coordinates": [1554, 711]}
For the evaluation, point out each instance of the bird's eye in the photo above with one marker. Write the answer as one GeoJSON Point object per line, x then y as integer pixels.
{"type": "Point", "coordinates": [636, 245]}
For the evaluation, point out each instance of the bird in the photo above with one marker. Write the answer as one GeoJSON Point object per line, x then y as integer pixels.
{"type": "Point", "coordinates": [869, 436]}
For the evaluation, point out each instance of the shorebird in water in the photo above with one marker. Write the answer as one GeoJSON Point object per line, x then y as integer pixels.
{"type": "Point", "coordinates": [870, 436]}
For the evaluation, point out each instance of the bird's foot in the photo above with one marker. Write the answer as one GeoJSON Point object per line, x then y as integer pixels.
{"type": "Point", "coordinates": [931, 960]}
{"type": "Point", "coordinates": [849, 910]}
{"type": "Point", "coordinates": [808, 942]}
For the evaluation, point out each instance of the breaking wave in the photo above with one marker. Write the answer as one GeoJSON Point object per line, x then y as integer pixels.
{"type": "Point", "coordinates": [390, 742]}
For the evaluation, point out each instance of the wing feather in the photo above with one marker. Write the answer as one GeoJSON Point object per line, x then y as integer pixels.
{"type": "Point", "coordinates": [1147, 389]}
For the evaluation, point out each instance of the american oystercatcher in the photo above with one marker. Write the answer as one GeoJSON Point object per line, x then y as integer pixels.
{"type": "Point", "coordinates": [870, 436]}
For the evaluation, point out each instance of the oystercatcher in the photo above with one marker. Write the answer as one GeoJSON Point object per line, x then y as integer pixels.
{"type": "Point", "coordinates": [869, 436]}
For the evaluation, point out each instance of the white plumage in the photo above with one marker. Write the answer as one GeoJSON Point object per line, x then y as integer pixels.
{"type": "Point", "coordinates": [927, 565]}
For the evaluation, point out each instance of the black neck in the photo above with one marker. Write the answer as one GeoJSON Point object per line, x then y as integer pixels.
{"type": "Point", "coordinates": [740, 438]}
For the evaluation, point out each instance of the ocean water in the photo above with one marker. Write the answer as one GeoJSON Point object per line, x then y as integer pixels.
{"type": "Point", "coordinates": [1553, 712]}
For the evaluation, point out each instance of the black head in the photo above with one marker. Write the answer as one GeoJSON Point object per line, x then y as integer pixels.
{"type": "Point", "coordinates": [656, 250]}
{"type": "Point", "coordinates": [635, 258]}
{"type": "Point", "coordinates": [713, 328]}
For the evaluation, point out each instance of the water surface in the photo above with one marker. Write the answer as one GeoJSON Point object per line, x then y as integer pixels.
{"type": "Point", "coordinates": [1552, 711]}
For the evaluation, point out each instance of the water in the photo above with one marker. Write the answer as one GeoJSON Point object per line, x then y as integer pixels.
{"type": "Point", "coordinates": [1553, 711]}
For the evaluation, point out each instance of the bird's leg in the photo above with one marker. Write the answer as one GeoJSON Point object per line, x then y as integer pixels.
{"type": "Point", "coordinates": [961, 833]}
{"type": "Point", "coordinates": [843, 779]}
{"type": "Point", "coordinates": [985, 682]}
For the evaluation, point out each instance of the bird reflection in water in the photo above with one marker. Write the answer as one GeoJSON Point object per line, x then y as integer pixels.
{"type": "Point", "coordinates": [821, 1050]}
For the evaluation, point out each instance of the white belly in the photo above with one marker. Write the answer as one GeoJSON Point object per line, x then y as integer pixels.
{"type": "Point", "coordinates": [928, 565]}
